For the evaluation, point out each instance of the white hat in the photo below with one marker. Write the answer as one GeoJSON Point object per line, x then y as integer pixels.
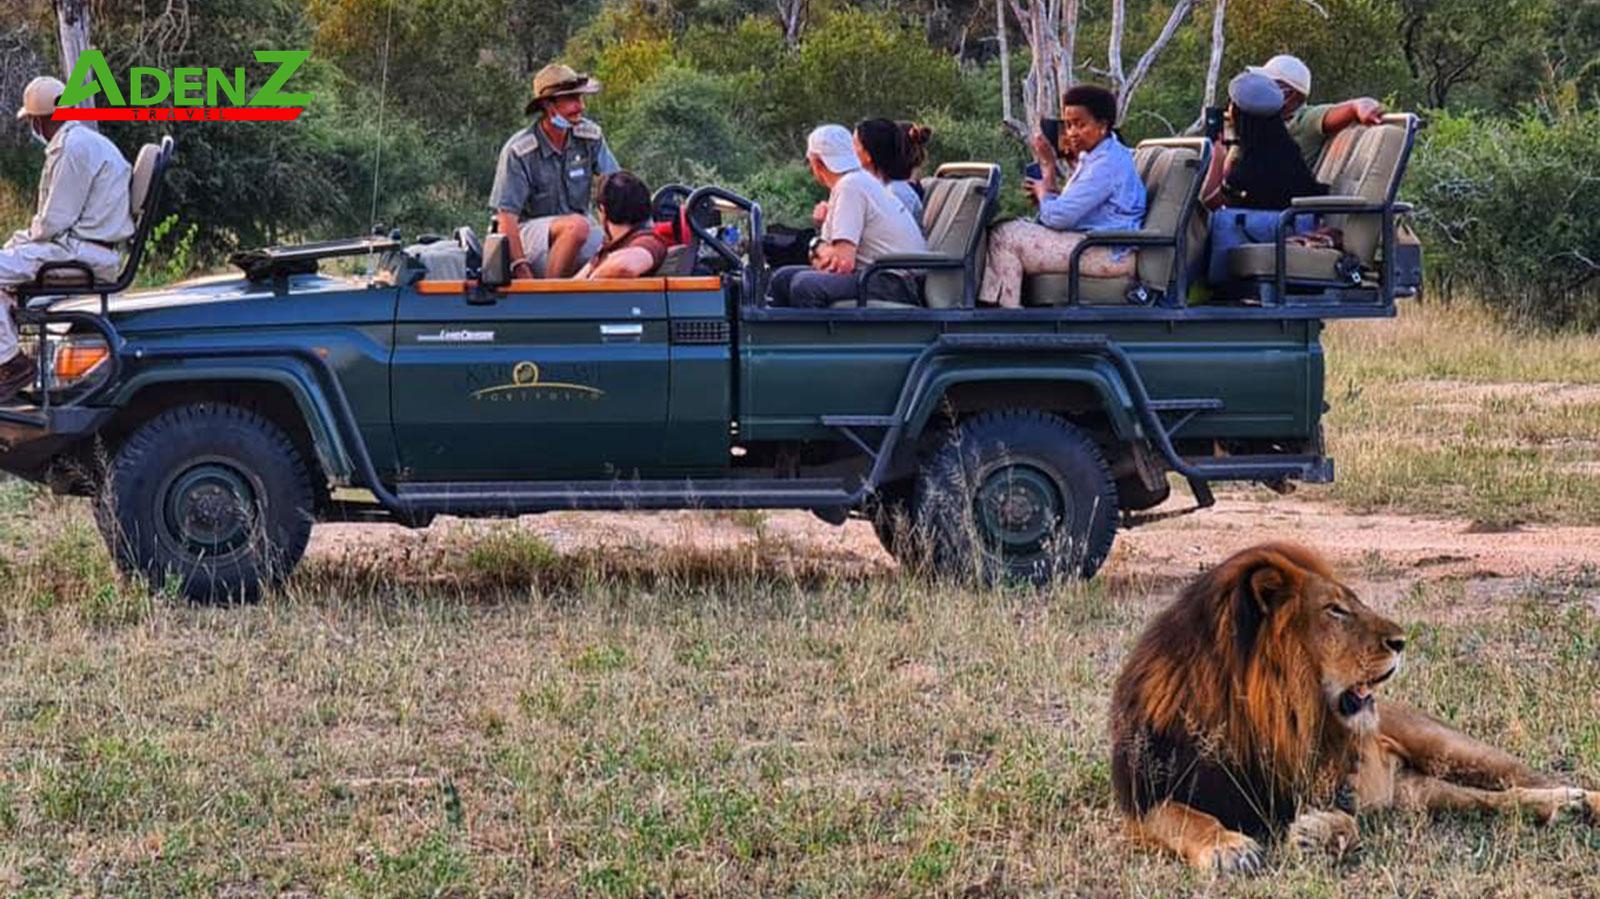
{"type": "Point", "coordinates": [1286, 69]}
{"type": "Point", "coordinates": [835, 147]}
{"type": "Point", "coordinates": [40, 96]}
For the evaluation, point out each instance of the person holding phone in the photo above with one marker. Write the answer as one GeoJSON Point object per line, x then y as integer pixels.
{"type": "Point", "coordinates": [1103, 192]}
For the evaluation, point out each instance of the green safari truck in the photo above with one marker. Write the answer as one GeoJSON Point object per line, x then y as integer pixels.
{"type": "Point", "coordinates": [215, 421]}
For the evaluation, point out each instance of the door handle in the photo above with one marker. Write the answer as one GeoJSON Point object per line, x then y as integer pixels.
{"type": "Point", "coordinates": [633, 330]}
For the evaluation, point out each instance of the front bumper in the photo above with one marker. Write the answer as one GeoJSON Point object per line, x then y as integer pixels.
{"type": "Point", "coordinates": [31, 439]}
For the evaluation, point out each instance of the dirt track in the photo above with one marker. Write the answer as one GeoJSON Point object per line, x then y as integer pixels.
{"type": "Point", "coordinates": [1378, 548]}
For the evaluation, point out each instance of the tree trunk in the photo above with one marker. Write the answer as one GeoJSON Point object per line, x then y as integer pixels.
{"type": "Point", "coordinates": [72, 16]}
{"type": "Point", "coordinates": [1214, 67]}
{"type": "Point", "coordinates": [1005, 60]}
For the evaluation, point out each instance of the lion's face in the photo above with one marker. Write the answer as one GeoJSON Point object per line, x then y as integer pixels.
{"type": "Point", "coordinates": [1355, 648]}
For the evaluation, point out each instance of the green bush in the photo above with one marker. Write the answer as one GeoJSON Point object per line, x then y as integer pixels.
{"type": "Point", "coordinates": [681, 126]}
{"type": "Point", "coordinates": [856, 65]}
{"type": "Point", "coordinates": [1509, 212]}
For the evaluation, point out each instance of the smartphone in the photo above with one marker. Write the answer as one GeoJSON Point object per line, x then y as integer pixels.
{"type": "Point", "coordinates": [1213, 122]}
{"type": "Point", "coordinates": [1032, 172]}
{"type": "Point", "coordinates": [1051, 129]}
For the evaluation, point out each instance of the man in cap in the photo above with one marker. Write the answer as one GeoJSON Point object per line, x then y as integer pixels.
{"type": "Point", "coordinates": [1311, 126]}
{"type": "Point", "coordinates": [545, 175]}
{"type": "Point", "coordinates": [863, 223]}
{"type": "Point", "coordinates": [82, 214]}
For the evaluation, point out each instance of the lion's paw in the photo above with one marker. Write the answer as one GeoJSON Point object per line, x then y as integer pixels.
{"type": "Point", "coordinates": [1231, 853]}
{"type": "Point", "coordinates": [1550, 804]}
{"type": "Point", "coordinates": [1323, 831]}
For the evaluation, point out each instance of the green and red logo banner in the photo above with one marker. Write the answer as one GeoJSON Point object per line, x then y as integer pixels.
{"type": "Point", "coordinates": [186, 94]}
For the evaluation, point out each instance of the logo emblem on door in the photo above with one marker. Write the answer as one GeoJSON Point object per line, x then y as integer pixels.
{"type": "Point", "coordinates": [528, 382]}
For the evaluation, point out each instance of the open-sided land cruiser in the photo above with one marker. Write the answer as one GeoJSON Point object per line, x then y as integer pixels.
{"type": "Point", "coordinates": [214, 421]}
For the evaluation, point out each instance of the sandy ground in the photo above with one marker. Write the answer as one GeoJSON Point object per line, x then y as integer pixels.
{"type": "Point", "coordinates": [1385, 553]}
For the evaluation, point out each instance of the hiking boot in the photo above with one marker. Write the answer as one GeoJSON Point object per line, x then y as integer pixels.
{"type": "Point", "coordinates": [15, 375]}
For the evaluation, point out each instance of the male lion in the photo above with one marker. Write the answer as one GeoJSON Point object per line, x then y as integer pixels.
{"type": "Point", "coordinates": [1248, 705]}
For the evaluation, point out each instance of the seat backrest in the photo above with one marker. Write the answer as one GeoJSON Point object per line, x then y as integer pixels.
{"type": "Point", "coordinates": [1372, 172]}
{"type": "Point", "coordinates": [144, 175]}
{"type": "Point", "coordinates": [1172, 181]}
{"type": "Point", "coordinates": [1336, 154]}
{"type": "Point", "coordinates": [956, 210]}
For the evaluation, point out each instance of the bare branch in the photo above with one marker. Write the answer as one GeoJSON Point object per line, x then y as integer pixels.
{"type": "Point", "coordinates": [1180, 11]}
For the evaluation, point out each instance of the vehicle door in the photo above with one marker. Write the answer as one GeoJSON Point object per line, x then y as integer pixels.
{"type": "Point", "coordinates": [542, 380]}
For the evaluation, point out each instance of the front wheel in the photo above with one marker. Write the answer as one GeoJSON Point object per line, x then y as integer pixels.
{"type": "Point", "coordinates": [213, 495]}
{"type": "Point", "coordinates": [1017, 495]}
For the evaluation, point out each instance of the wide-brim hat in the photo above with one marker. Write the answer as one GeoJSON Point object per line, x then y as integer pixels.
{"type": "Point", "coordinates": [559, 81]}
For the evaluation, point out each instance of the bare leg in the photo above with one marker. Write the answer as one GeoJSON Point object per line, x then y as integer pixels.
{"type": "Point", "coordinates": [1199, 838]}
{"type": "Point", "coordinates": [567, 236]}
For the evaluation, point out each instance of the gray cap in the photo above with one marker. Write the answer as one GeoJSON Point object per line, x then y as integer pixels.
{"type": "Point", "coordinates": [1255, 94]}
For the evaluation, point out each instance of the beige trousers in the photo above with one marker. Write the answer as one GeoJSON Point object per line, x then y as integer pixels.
{"type": "Point", "coordinates": [1019, 248]}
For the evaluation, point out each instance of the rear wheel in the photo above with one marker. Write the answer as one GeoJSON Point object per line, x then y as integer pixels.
{"type": "Point", "coordinates": [213, 495]}
{"type": "Point", "coordinates": [1017, 495]}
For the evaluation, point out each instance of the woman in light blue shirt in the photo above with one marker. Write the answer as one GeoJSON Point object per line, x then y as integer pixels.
{"type": "Point", "coordinates": [1102, 193]}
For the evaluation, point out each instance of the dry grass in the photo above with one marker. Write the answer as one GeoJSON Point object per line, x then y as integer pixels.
{"type": "Point", "coordinates": [1444, 411]}
{"type": "Point", "coordinates": [499, 717]}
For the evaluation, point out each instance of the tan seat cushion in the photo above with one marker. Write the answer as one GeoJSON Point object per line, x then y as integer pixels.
{"type": "Point", "coordinates": [1051, 290]}
{"type": "Point", "coordinates": [1255, 260]}
{"type": "Point", "coordinates": [67, 278]}
{"type": "Point", "coordinates": [144, 173]}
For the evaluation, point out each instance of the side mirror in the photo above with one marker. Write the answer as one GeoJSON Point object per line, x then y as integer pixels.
{"type": "Point", "coordinates": [496, 270]}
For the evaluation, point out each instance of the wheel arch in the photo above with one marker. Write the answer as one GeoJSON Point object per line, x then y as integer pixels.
{"type": "Point", "coordinates": [283, 393]}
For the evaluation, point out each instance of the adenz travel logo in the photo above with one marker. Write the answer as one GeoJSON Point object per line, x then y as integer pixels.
{"type": "Point", "coordinates": [186, 94]}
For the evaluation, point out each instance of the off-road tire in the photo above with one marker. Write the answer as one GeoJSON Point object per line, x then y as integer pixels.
{"type": "Point", "coordinates": [1017, 495]}
{"type": "Point", "coordinates": [891, 514]}
{"type": "Point", "coordinates": [212, 496]}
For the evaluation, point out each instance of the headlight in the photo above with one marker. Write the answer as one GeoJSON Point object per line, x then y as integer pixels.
{"type": "Point", "coordinates": [74, 359]}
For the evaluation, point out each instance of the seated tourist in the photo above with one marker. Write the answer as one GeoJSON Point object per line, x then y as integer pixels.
{"type": "Point", "coordinates": [861, 223]}
{"type": "Point", "coordinates": [1102, 193]}
{"type": "Point", "coordinates": [1262, 175]}
{"type": "Point", "coordinates": [631, 248]}
{"type": "Point", "coordinates": [1312, 126]}
{"type": "Point", "coordinates": [892, 152]}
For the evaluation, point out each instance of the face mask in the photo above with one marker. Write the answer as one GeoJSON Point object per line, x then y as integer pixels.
{"type": "Point", "coordinates": [560, 121]}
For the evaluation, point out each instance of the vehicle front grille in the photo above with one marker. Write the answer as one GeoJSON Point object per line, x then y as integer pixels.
{"type": "Point", "coordinates": [701, 331]}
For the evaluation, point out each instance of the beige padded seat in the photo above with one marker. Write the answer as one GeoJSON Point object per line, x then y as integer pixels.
{"type": "Point", "coordinates": [954, 209]}
{"type": "Point", "coordinates": [1369, 171]}
{"type": "Point", "coordinates": [1172, 179]}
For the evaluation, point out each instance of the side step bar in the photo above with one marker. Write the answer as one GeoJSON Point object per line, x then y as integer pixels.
{"type": "Point", "coordinates": [516, 497]}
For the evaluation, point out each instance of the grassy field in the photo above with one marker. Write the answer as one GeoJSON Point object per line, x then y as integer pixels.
{"type": "Point", "coordinates": [1442, 411]}
{"type": "Point", "coordinates": [497, 717]}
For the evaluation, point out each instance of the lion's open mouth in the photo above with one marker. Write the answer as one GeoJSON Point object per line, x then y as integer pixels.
{"type": "Point", "coordinates": [1359, 698]}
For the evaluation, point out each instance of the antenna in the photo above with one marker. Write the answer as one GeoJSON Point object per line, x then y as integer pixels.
{"type": "Point", "coordinates": [383, 93]}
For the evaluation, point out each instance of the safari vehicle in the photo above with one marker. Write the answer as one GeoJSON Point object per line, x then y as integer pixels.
{"type": "Point", "coordinates": [215, 420]}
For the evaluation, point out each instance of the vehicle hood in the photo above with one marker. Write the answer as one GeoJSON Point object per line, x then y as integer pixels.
{"type": "Point", "coordinates": [231, 300]}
